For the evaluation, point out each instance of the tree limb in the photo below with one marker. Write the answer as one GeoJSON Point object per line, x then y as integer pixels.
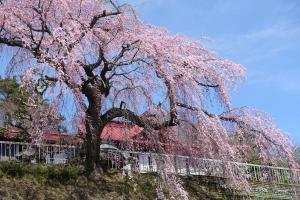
{"type": "Point", "coordinates": [103, 14]}
{"type": "Point", "coordinates": [11, 42]}
{"type": "Point", "coordinates": [134, 118]}
{"type": "Point", "coordinates": [206, 85]}
{"type": "Point", "coordinates": [240, 123]}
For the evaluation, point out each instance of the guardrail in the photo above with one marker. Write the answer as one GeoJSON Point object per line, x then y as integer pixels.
{"type": "Point", "coordinates": [48, 153]}
{"type": "Point", "coordinates": [144, 162]}
{"type": "Point", "coordinates": [183, 165]}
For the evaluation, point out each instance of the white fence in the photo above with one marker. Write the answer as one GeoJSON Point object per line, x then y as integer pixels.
{"type": "Point", "coordinates": [48, 153]}
{"type": "Point", "coordinates": [183, 165]}
{"type": "Point", "coordinates": [147, 162]}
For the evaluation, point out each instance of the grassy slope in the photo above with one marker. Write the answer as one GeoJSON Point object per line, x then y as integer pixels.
{"type": "Point", "coordinates": [19, 181]}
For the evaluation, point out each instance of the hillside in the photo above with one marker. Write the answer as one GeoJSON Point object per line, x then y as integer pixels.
{"type": "Point", "coordinates": [23, 181]}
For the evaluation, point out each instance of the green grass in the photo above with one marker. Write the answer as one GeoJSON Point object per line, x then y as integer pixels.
{"type": "Point", "coordinates": [61, 173]}
{"type": "Point", "coordinates": [28, 181]}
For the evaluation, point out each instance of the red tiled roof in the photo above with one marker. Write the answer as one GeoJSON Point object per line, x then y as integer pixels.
{"type": "Point", "coordinates": [56, 136]}
{"type": "Point", "coordinates": [9, 133]}
{"type": "Point", "coordinates": [118, 131]}
{"type": "Point", "coordinates": [52, 136]}
{"type": "Point", "coordinates": [114, 131]}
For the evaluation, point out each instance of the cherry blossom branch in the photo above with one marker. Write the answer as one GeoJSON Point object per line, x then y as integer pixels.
{"type": "Point", "coordinates": [207, 85]}
{"type": "Point", "coordinates": [240, 123]}
{"type": "Point", "coordinates": [103, 14]}
{"type": "Point", "coordinates": [198, 82]}
{"type": "Point", "coordinates": [136, 119]}
{"type": "Point", "coordinates": [11, 42]}
{"type": "Point", "coordinates": [51, 79]}
{"type": "Point", "coordinates": [90, 67]}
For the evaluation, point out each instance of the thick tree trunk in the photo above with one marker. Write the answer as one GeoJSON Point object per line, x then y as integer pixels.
{"type": "Point", "coordinates": [93, 142]}
{"type": "Point", "coordinates": [90, 146]}
{"type": "Point", "coordinates": [93, 124]}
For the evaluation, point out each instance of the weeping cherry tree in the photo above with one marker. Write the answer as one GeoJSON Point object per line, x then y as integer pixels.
{"type": "Point", "coordinates": [114, 66]}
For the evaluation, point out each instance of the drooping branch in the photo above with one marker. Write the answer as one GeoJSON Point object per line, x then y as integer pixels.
{"type": "Point", "coordinates": [103, 14]}
{"type": "Point", "coordinates": [240, 123]}
{"type": "Point", "coordinates": [198, 82]}
{"type": "Point", "coordinates": [186, 106]}
{"type": "Point", "coordinates": [90, 67]}
{"type": "Point", "coordinates": [102, 81]}
{"type": "Point", "coordinates": [11, 42]}
{"type": "Point", "coordinates": [143, 121]}
{"type": "Point", "coordinates": [171, 96]}
{"type": "Point", "coordinates": [207, 85]}
{"type": "Point", "coordinates": [94, 21]}
{"type": "Point", "coordinates": [134, 118]}
{"type": "Point", "coordinates": [50, 79]}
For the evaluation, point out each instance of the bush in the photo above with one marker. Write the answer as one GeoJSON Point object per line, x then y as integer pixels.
{"type": "Point", "coordinates": [13, 168]}
{"type": "Point", "coordinates": [70, 172]}
{"type": "Point", "coordinates": [58, 173]}
{"type": "Point", "coordinates": [41, 170]}
{"type": "Point", "coordinates": [62, 173]}
{"type": "Point", "coordinates": [53, 173]}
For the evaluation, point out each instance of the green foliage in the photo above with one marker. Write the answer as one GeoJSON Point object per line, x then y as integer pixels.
{"type": "Point", "coordinates": [68, 182]}
{"type": "Point", "coordinates": [12, 168]}
{"type": "Point", "coordinates": [63, 174]}
{"type": "Point", "coordinates": [255, 161]}
{"type": "Point", "coordinates": [70, 172]}
{"type": "Point", "coordinates": [53, 173]}
{"type": "Point", "coordinates": [56, 173]}
{"type": "Point", "coordinates": [41, 170]}
{"type": "Point", "coordinates": [15, 112]}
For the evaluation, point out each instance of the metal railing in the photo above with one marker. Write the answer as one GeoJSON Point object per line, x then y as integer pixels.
{"type": "Point", "coordinates": [183, 165]}
{"type": "Point", "coordinates": [144, 162]}
{"type": "Point", "coordinates": [47, 153]}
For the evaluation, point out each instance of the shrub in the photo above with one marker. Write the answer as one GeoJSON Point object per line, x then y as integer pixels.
{"type": "Point", "coordinates": [53, 173]}
{"type": "Point", "coordinates": [13, 168]}
{"type": "Point", "coordinates": [41, 170]}
{"type": "Point", "coordinates": [58, 173]}
{"type": "Point", "coordinates": [69, 172]}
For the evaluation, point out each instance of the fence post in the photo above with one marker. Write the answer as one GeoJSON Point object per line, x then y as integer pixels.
{"type": "Point", "coordinates": [9, 151]}
{"type": "Point", "coordinates": [175, 164]}
{"type": "Point", "coordinates": [4, 151]}
{"type": "Point", "coordinates": [187, 163]}
{"type": "Point", "coordinates": [150, 163]}
{"type": "Point", "coordinates": [39, 152]}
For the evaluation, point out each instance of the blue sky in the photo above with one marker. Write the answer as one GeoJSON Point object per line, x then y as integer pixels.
{"type": "Point", "coordinates": [262, 35]}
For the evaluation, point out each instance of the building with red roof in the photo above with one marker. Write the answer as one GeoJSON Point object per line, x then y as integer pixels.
{"type": "Point", "coordinates": [122, 135]}
{"type": "Point", "coordinates": [119, 131]}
